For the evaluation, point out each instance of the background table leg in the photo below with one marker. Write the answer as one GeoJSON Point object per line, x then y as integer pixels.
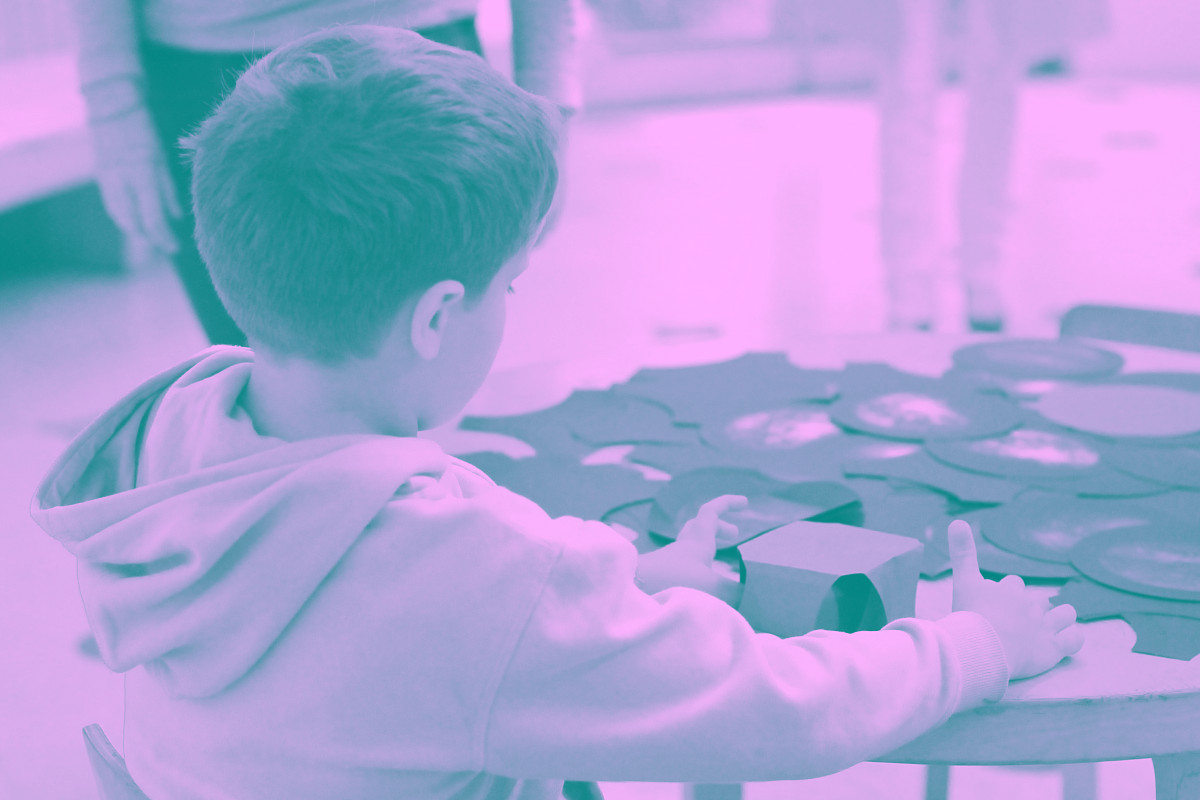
{"type": "Point", "coordinates": [713, 791]}
{"type": "Point", "coordinates": [937, 781]}
{"type": "Point", "coordinates": [1079, 781]}
{"type": "Point", "coordinates": [1177, 776]}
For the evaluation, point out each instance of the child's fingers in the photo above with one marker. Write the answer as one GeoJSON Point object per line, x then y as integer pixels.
{"type": "Point", "coordinates": [170, 195]}
{"type": "Point", "coordinates": [1061, 617]}
{"type": "Point", "coordinates": [1014, 583]}
{"type": "Point", "coordinates": [1069, 640]}
{"type": "Point", "coordinates": [964, 562]}
{"type": "Point", "coordinates": [722, 504]}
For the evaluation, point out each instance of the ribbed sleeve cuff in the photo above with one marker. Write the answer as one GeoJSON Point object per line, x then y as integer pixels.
{"type": "Point", "coordinates": [981, 657]}
{"type": "Point", "coordinates": [113, 98]}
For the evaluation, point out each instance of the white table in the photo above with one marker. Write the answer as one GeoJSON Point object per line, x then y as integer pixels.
{"type": "Point", "coordinates": [1104, 704]}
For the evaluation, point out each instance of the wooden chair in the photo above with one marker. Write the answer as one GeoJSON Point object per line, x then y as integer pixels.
{"type": "Point", "coordinates": [112, 778]}
{"type": "Point", "coordinates": [1145, 326]}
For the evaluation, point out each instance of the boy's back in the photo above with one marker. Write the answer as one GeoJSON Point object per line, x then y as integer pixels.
{"type": "Point", "coordinates": [363, 616]}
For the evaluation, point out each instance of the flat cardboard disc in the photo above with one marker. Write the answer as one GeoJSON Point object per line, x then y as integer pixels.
{"type": "Point", "coordinates": [1047, 526]}
{"type": "Point", "coordinates": [791, 443]}
{"type": "Point", "coordinates": [926, 414]}
{"type": "Point", "coordinates": [772, 430]}
{"type": "Point", "coordinates": [1096, 601]}
{"type": "Point", "coordinates": [1185, 381]}
{"type": "Point", "coordinates": [1159, 561]}
{"type": "Point", "coordinates": [1026, 453]}
{"type": "Point", "coordinates": [1102, 482]}
{"type": "Point", "coordinates": [1039, 358]}
{"type": "Point", "coordinates": [1174, 466]}
{"type": "Point", "coordinates": [922, 469]}
{"type": "Point", "coordinates": [1122, 410]}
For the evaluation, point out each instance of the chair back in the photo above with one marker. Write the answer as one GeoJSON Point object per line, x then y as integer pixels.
{"type": "Point", "coordinates": [112, 778]}
{"type": "Point", "coordinates": [1146, 326]}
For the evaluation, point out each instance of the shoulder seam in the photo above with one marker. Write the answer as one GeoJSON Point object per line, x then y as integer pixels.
{"type": "Point", "coordinates": [515, 634]}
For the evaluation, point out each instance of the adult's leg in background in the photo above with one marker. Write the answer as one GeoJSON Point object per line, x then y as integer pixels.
{"type": "Point", "coordinates": [994, 67]}
{"type": "Point", "coordinates": [182, 88]}
{"type": "Point", "coordinates": [907, 87]}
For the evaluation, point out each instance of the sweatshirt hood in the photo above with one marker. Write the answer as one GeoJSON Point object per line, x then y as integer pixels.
{"type": "Point", "coordinates": [198, 540]}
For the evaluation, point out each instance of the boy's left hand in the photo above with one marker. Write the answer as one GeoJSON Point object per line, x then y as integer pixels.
{"type": "Point", "coordinates": [688, 561]}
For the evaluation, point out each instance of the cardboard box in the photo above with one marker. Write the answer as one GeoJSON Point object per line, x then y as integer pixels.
{"type": "Point", "coordinates": [818, 575]}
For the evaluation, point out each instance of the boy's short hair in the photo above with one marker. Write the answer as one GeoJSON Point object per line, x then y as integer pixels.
{"type": "Point", "coordinates": [356, 167]}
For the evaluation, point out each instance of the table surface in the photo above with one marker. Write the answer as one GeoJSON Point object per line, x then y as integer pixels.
{"type": "Point", "coordinates": [1105, 703]}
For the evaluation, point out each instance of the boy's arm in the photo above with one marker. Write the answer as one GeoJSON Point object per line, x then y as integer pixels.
{"type": "Point", "coordinates": [131, 165]}
{"type": "Point", "coordinates": [609, 683]}
{"type": "Point", "coordinates": [110, 69]}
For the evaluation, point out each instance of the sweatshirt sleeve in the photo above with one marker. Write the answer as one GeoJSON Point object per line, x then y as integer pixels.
{"type": "Point", "coordinates": [545, 52]}
{"type": "Point", "coordinates": [110, 69]}
{"type": "Point", "coordinates": [609, 683]}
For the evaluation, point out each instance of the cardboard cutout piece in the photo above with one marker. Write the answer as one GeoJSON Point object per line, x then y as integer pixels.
{"type": "Point", "coordinates": [1039, 358]}
{"type": "Point", "coordinates": [812, 575]}
{"type": "Point", "coordinates": [772, 503]}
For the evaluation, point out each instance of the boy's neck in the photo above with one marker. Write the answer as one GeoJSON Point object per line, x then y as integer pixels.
{"type": "Point", "coordinates": [296, 399]}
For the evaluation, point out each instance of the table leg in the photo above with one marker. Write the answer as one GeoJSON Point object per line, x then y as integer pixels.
{"type": "Point", "coordinates": [712, 791]}
{"type": "Point", "coordinates": [937, 781]}
{"type": "Point", "coordinates": [1177, 776]}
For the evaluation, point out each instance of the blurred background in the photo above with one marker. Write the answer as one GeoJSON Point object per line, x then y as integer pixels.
{"type": "Point", "coordinates": [743, 174]}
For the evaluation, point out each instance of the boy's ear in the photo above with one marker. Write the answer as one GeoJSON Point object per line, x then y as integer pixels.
{"type": "Point", "coordinates": [429, 317]}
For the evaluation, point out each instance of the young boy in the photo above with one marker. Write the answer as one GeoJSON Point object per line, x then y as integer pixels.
{"type": "Point", "coordinates": [310, 602]}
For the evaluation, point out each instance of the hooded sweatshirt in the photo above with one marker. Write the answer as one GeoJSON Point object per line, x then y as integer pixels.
{"type": "Point", "coordinates": [365, 616]}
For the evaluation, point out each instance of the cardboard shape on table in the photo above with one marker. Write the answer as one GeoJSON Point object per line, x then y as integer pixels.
{"type": "Point", "coordinates": [1159, 561]}
{"type": "Point", "coordinates": [721, 391]}
{"type": "Point", "coordinates": [1103, 482]}
{"type": "Point", "coordinates": [920, 468]}
{"type": "Point", "coordinates": [1174, 466]}
{"type": "Point", "coordinates": [1047, 526]}
{"type": "Point", "coordinates": [1039, 359]}
{"type": "Point", "coordinates": [770, 429]}
{"type": "Point", "coordinates": [1027, 453]}
{"type": "Point", "coordinates": [1123, 410]}
{"type": "Point", "coordinates": [796, 443]}
{"type": "Point", "coordinates": [1165, 636]}
{"type": "Point", "coordinates": [1017, 389]}
{"type": "Point", "coordinates": [814, 575]}
{"type": "Point", "coordinates": [771, 504]}
{"type": "Point", "coordinates": [1187, 381]}
{"type": "Point", "coordinates": [921, 414]}
{"type": "Point", "coordinates": [1096, 601]}
{"type": "Point", "coordinates": [820, 459]}
{"type": "Point", "coordinates": [899, 509]}
{"type": "Point", "coordinates": [585, 421]}
{"type": "Point", "coordinates": [565, 487]}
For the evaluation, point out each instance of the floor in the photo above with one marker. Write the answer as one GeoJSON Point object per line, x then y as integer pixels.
{"type": "Point", "coordinates": [741, 225]}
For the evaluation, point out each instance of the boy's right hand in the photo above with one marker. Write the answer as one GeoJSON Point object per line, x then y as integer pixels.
{"type": "Point", "coordinates": [1035, 637]}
